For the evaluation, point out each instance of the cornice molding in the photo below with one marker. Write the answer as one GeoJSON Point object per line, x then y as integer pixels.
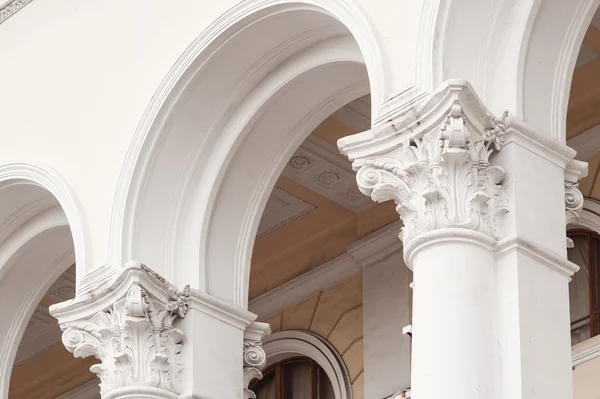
{"type": "Point", "coordinates": [537, 252]}
{"type": "Point", "coordinates": [11, 8]}
{"type": "Point", "coordinates": [365, 252]}
{"type": "Point", "coordinates": [318, 279]}
{"type": "Point", "coordinates": [585, 351]}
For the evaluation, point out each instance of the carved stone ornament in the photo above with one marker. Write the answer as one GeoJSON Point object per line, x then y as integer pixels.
{"type": "Point", "coordinates": [11, 8]}
{"type": "Point", "coordinates": [129, 328]}
{"type": "Point", "coordinates": [574, 171]}
{"type": "Point", "coordinates": [434, 162]}
{"type": "Point", "coordinates": [255, 358]}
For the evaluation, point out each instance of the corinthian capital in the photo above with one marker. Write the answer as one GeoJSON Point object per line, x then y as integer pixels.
{"type": "Point", "coordinates": [434, 161]}
{"type": "Point", "coordinates": [129, 328]}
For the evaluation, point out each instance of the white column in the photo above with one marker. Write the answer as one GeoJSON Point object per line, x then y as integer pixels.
{"type": "Point", "coordinates": [482, 201]}
{"type": "Point", "coordinates": [453, 302]}
{"type": "Point", "coordinates": [155, 341]}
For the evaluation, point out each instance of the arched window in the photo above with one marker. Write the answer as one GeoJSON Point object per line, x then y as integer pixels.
{"type": "Point", "coordinates": [584, 288]}
{"type": "Point", "coordinates": [295, 378]}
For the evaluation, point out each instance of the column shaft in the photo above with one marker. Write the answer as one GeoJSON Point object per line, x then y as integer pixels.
{"type": "Point", "coordinates": [453, 316]}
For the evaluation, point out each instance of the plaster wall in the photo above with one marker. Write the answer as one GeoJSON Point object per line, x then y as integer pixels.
{"type": "Point", "coordinates": [83, 72]}
{"type": "Point", "coordinates": [585, 380]}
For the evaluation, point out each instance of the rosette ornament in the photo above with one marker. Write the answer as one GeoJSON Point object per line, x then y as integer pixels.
{"type": "Point", "coordinates": [129, 328]}
{"type": "Point", "coordinates": [435, 162]}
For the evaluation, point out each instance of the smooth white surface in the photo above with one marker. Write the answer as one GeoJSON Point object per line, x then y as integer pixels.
{"type": "Point", "coordinates": [453, 338]}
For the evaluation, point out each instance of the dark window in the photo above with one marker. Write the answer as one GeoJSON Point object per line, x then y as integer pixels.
{"type": "Point", "coordinates": [296, 378]}
{"type": "Point", "coordinates": [584, 288]}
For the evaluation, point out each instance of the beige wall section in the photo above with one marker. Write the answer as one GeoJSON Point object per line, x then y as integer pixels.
{"type": "Point", "coordinates": [586, 376]}
{"type": "Point", "coordinates": [586, 380]}
{"type": "Point", "coordinates": [336, 315]}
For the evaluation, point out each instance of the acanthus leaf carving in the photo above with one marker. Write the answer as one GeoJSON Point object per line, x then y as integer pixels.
{"type": "Point", "coordinates": [441, 178]}
{"type": "Point", "coordinates": [133, 337]}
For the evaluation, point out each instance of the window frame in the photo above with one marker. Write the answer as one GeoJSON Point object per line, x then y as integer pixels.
{"type": "Point", "coordinates": [593, 285]}
{"type": "Point", "coordinates": [278, 370]}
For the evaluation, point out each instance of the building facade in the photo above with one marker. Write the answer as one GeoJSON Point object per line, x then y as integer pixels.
{"type": "Point", "coordinates": [273, 199]}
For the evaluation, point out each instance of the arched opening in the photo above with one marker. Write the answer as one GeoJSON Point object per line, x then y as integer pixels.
{"type": "Point", "coordinates": [582, 133]}
{"type": "Point", "coordinates": [314, 365]}
{"type": "Point", "coordinates": [215, 150]}
{"type": "Point", "coordinates": [43, 368]}
{"type": "Point", "coordinates": [297, 377]}
{"type": "Point", "coordinates": [38, 245]}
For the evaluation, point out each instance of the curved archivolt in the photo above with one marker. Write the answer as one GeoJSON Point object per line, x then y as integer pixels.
{"type": "Point", "coordinates": [215, 147]}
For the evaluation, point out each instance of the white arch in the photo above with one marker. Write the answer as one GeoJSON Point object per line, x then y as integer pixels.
{"type": "Point", "coordinates": [47, 179]}
{"type": "Point", "coordinates": [41, 235]}
{"type": "Point", "coordinates": [146, 138]}
{"type": "Point", "coordinates": [41, 250]}
{"type": "Point", "coordinates": [287, 344]}
{"type": "Point", "coordinates": [518, 56]}
{"type": "Point", "coordinates": [589, 218]}
{"type": "Point", "coordinates": [180, 222]}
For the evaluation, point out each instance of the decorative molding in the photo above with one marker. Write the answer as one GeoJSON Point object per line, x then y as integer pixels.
{"type": "Point", "coordinates": [585, 351]}
{"type": "Point", "coordinates": [367, 251]}
{"type": "Point", "coordinates": [147, 137]}
{"type": "Point", "coordinates": [48, 179]}
{"type": "Point", "coordinates": [130, 330]}
{"type": "Point", "coordinates": [303, 286]}
{"type": "Point", "coordinates": [286, 344]}
{"type": "Point", "coordinates": [255, 357]}
{"type": "Point", "coordinates": [282, 208]}
{"type": "Point", "coordinates": [434, 162]}
{"type": "Point", "coordinates": [11, 8]}
{"type": "Point", "coordinates": [540, 254]}
{"type": "Point", "coordinates": [589, 217]}
{"type": "Point", "coordinates": [586, 355]}
{"type": "Point", "coordinates": [319, 166]}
